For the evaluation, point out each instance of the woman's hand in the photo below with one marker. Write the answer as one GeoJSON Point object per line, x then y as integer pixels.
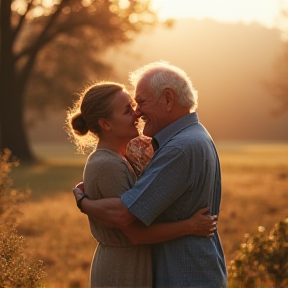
{"type": "Point", "coordinates": [202, 225]}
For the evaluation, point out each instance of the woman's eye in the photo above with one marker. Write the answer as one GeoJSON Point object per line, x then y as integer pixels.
{"type": "Point", "coordinates": [128, 110]}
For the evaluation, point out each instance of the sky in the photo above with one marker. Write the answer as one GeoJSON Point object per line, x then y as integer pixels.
{"type": "Point", "coordinates": [264, 12]}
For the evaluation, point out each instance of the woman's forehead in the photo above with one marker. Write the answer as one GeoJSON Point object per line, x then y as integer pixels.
{"type": "Point", "coordinates": [122, 99]}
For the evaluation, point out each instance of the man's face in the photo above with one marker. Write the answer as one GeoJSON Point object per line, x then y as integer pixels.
{"type": "Point", "coordinates": [151, 110]}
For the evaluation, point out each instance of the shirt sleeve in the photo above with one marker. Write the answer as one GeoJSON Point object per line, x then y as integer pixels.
{"type": "Point", "coordinates": [164, 180]}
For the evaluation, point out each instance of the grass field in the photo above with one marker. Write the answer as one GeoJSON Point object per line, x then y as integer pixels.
{"type": "Point", "coordinates": [255, 193]}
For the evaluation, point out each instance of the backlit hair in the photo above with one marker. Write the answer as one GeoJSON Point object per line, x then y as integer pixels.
{"type": "Point", "coordinates": [165, 75]}
{"type": "Point", "coordinates": [82, 123]}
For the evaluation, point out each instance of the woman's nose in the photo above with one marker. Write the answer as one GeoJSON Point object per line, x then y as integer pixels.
{"type": "Point", "coordinates": [135, 115]}
{"type": "Point", "coordinates": [138, 112]}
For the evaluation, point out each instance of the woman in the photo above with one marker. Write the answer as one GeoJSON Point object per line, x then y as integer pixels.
{"type": "Point", "coordinates": [104, 113]}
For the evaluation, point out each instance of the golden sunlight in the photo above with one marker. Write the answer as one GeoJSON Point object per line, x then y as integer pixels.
{"type": "Point", "coordinates": [19, 6]}
{"type": "Point", "coordinates": [247, 11]}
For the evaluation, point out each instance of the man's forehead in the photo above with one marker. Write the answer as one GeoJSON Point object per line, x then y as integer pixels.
{"type": "Point", "coordinates": [144, 82]}
{"type": "Point", "coordinates": [143, 90]}
{"type": "Point", "coordinates": [141, 95]}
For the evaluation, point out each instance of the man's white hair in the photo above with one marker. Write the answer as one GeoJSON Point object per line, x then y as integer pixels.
{"type": "Point", "coordinates": [165, 75]}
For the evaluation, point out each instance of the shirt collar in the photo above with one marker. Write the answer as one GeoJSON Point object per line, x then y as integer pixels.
{"type": "Point", "coordinates": [168, 132]}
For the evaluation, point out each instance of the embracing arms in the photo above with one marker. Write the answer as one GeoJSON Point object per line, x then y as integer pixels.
{"type": "Point", "coordinates": [112, 212]}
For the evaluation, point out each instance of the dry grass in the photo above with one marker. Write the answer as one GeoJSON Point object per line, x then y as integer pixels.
{"type": "Point", "coordinates": [58, 234]}
{"type": "Point", "coordinates": [252, 197]}
{"type": "Point", "coordinates": [255, 186]}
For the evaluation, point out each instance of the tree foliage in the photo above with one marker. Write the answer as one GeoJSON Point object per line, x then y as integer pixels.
{"type": "Point", "coordinates": [79, 37]}
{"type": "Point", "coordinates": [262, 259]}
{"type": "Point", "coordinates": [51, 48]}
{"type": "Point", "coordinates": [16, 269]}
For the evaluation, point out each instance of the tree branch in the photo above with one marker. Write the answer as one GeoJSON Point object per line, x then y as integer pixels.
{"type": "Point", "coordinates": [21, 21]}
{"type": "Point", "coordinates": [41, 39]}
{"type": "Point", "coordinates": [62, 28]}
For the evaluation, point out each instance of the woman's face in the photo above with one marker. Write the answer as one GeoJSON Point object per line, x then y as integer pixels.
{"type": "Point", "coordinates": [123, 120]}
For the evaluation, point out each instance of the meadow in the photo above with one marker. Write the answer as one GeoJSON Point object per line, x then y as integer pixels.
{"type": "Point", "coordinates": [255, 193]}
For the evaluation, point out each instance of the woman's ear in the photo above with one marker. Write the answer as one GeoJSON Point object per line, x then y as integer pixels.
{"type": "Point", "coordinates": [104, 124]}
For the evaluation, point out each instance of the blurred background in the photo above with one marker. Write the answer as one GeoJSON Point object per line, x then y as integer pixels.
{"type": "Point", "coordinates": [234, 51]}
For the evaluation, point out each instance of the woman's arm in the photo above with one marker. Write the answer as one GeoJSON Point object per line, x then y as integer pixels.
{"type": "Point", "coordinates": [199, 225]}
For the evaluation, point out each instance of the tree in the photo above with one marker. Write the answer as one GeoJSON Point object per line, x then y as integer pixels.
{"type": "Point", "coordinates": [278, 86]}
{"type": "Point", "coordinates": [55, 45]}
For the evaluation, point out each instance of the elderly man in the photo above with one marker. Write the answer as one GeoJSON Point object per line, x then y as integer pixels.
{"type": "Point", "coordinates": [183, 176]}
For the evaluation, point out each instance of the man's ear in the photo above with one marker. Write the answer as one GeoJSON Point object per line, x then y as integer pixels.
{"type": "Point", "coordinates": [104, 124]}
{"type": "Point", "coordinates": [169, 96]}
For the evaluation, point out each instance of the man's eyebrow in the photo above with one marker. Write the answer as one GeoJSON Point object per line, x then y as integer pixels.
{"type": "Point", "coordinates": [138, 98]}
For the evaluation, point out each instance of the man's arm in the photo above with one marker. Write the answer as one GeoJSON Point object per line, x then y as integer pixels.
{"type": "Point", "coordinates": [109, 212]}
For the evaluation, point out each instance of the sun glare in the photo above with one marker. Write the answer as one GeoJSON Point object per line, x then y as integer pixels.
{"type": "Point", "coordinates": [123, 4]}
{"type": "Point", "coordinates": [262, 11]}
{"type": "Point", "coordinates": [19, 6]}
{"type": "Point", "coordinates": [47, 3]}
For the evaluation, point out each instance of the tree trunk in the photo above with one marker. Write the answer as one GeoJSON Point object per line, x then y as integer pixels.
{"type": "Point", "coordinates": [13, 134]}
{"type": "Point", "coordinates": [12, 130]}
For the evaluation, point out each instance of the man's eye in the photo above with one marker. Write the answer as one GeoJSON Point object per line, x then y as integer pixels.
{"type": "Point", "coordinates": [140, 102]}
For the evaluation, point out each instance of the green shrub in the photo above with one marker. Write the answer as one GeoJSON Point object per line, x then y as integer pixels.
{"type": "Point", "coordinates": [262, 260]}
{"type": "Point", "coordinates": [16, 270]}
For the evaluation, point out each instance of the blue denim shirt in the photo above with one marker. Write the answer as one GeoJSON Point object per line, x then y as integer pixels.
{"type": "Point", "coordinates": [183, 176]}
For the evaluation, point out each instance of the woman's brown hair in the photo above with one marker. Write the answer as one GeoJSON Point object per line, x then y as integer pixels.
{"type": "Point", "coordinates": [82, 119]}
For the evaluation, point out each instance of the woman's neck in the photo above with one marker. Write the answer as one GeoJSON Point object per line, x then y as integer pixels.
{"type": "Point", "coordinates": [114, 147]}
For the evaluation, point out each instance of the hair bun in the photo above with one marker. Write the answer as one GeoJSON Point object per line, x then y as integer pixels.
{"type": "Point", "coordinates": [79, 125]}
